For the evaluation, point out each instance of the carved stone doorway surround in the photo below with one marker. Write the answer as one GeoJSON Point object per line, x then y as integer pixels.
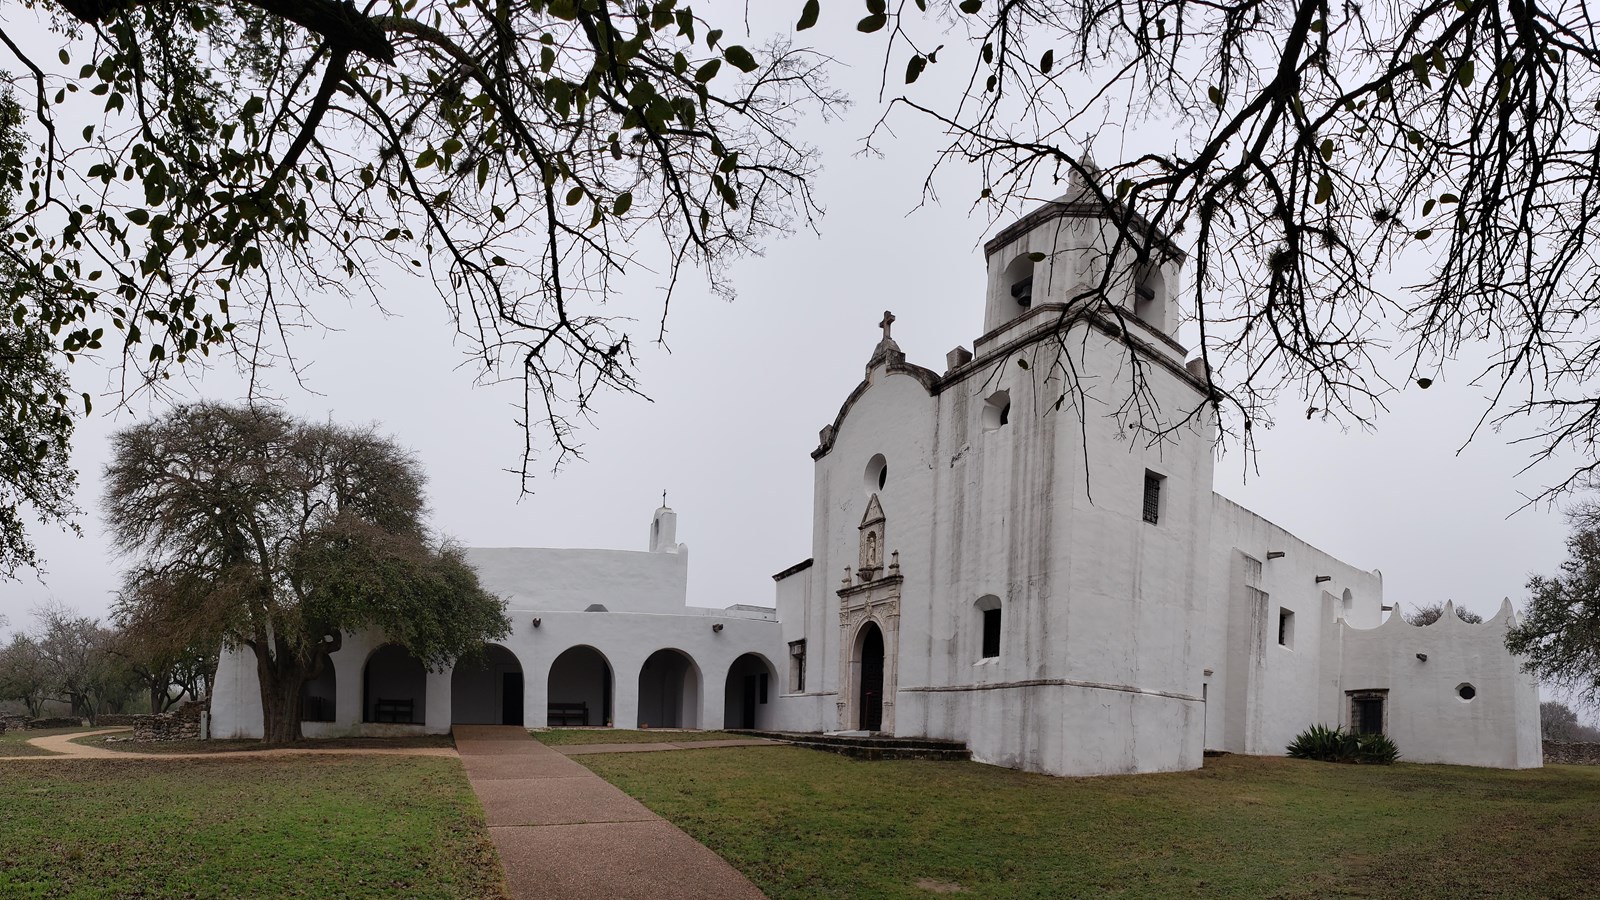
{"type": "Point", "coordinates": [877, 602]}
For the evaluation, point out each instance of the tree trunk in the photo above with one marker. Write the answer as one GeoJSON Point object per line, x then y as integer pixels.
{"type": "Point", "coordinates": [282, 681]}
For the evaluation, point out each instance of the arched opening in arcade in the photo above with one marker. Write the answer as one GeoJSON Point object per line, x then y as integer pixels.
{"type": "Point", "coordinates": [748, 694]}
{"type": "Point", "coordinates": [487, 689]}
{"type": "Point", "coordinates": [394, 687]}
{"type": "Point", "coordinates": [579, 689]}
{"type": "Point", "coordinates": [319, 696]}
{"type": "Point", "coordinates": [669, 691]}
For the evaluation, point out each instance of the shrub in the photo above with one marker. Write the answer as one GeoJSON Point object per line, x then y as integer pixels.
{"type": "Point", "coordinates": [1337, 745]}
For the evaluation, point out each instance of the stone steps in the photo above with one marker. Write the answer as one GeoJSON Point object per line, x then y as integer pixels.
{"type": "Point", "coordinates": [869, 747]}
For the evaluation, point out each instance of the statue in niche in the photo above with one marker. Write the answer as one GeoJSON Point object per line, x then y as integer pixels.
{"type": "Point", "coordinates": [872, 542]}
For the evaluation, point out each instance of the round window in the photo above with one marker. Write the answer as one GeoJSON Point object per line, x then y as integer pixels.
{"type": "Point", "coordinates": [1466, 691]}
{"type": "Point", "coordinates": [877, 474]}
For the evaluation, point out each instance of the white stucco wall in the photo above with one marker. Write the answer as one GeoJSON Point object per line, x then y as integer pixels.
{"type": "Point", "coordinates": [1424, 714]}
{"type": "Point", "coordinates": [644, 595]}
{"type": "Point", "coordinates": [620, 580]}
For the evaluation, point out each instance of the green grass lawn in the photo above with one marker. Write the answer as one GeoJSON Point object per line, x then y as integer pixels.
{"type": "Point", "coordinates": [802, 823]}
{"type": "Point", "coordinates": [295, 826]}
{"type": "Point", "coordinates": [564, 736]}
{"type": "Point", "coordinates": [15, 741]}
{"type": "Point", "coordinates": [234, 746]}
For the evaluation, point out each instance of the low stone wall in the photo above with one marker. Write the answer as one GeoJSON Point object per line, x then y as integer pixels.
{"type": "Point", "coordinates": [115, 720]}
{"type": "Point", "coordinates": [1571, 753]}
{"type": "Point", "coordinates": [16, 723]}
{"type": "Point", "coordinates": [182, 724]}
{"type": "Point", "coordinates": [57, 722]}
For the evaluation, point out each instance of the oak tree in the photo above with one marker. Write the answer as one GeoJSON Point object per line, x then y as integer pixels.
{"type": "Point", "coordinates": [279, 536]}
{"type": "Point", "coordinates": [1558, 635]}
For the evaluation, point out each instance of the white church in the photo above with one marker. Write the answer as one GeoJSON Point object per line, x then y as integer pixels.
{"type": "Point", "coordinates": [1062, 592]}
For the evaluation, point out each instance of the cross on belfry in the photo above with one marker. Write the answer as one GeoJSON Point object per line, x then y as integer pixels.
{"type": "Point", "coordinates": [663, 498]}
{"type": "Point", "coordinates": [888, 320]}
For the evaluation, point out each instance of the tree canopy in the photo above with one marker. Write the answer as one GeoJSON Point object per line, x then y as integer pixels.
{"type": "Point", "coordinates": [1353, 184]}
{"type": "Point", "coordinates": [1433, 612]}
{"type": "Point", "coordinates": [279, 536]}
{"type": "Point", "coordinates": [1559, 632]}
{"type": "Point", "coordinates": [228, 164]}
{"type": "Point", "coordinates": [36, 423]}
{"type": "Point", "coordinates": [1558, 722]}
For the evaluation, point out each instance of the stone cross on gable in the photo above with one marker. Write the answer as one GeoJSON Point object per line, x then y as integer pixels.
{"type": "Point", "coordinates": [888, 320]}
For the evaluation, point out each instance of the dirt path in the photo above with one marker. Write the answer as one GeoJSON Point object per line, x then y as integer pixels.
{"type": "Point", "coordinates": [62, 745]}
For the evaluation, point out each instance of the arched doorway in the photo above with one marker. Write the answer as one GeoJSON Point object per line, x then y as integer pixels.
{"type": "Point", "coordinates": [487, 690]}
{"type": "Point", "coordinates": [669, 691]}
{"type": "Point", "coordinates": [319, 696]}
{"type": "Point", "coordinates": [580, 688]}
{"type": "Point", "coordinates": [869, 697]}
{"type": "Point", "coordinates": [394, 687]}
{"type": "Point", "coordinates": [748, 692]}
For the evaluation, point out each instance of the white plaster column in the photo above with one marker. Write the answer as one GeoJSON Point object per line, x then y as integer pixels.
{"type": "Point", "coordinates": [437, 715]}
{"type": "Point", "coordinates": [625, 696]}
{"type": "Point", "coordinates": [347, 665]}
{"type": "Point", "coordinates": [535, 691]}
{"type": "Point", "coordinates": [713, 700]}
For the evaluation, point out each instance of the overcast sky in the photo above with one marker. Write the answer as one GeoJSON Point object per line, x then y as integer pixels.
{"type": "Point", "coordinates": [738, 401]}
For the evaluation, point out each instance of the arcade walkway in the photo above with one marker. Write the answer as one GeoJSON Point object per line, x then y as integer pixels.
{"type": "Point", "coordinates": [563, 831]}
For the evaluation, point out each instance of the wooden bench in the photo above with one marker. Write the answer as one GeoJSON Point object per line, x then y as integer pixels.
{"type": "Point", "coordinates": [566, 713]}
{"type": "Point", "coordinates": [392, 711]}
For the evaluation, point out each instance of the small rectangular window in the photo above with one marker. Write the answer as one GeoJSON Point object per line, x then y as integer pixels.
{"type": "Point", "coordinates": [1366, 711]}
{"type": "Point", "coordinates": [1152, 497]}
{"type": "Point", "coordinates": [797, 667]}
{"type": "Point", "coordinates": [991, 633]}
{"type": "Point", "coordinates": [1286, 628]}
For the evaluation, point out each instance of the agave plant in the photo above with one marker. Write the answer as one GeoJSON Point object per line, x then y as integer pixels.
{"type": "Point", "coordinates": [1337, 745]}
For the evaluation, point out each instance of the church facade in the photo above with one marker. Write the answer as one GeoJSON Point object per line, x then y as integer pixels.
{"type": "Point", "coordinates": [1022, 552]}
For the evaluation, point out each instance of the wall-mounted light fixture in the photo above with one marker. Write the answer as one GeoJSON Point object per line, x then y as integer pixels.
{"type": "Point", "coordinates": [1422, 656]}
{"type": "Point", "coordinates": [1274, 554]}
{"type": "Point", "coordinates": [717, 628]}
{"type": "Point", "coordinates": [537, 621]}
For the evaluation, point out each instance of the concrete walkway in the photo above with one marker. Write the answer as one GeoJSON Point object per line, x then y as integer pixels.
{"type": "Point", "coordinates": [564, 832]}
{"type": "Point", "coordinates": [645, 747]}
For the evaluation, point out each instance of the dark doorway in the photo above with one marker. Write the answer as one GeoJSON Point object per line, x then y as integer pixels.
{"type": "Point", "coordinates": [871, 678]}
{"type": "Point", "coordinates": [511, 698]}
{"type": "Point", "coordinates": [744, 699]}
{"type": "Point", "coordinates": [751, 689]}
